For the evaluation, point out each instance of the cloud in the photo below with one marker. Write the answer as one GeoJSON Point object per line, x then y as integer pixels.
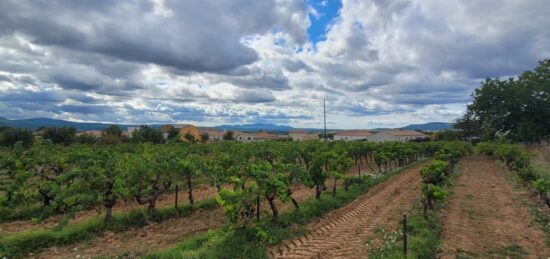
{"type": "Point", "coordinates": [198, 36]}
{"type": "Point", "coordinates": [380, 62]}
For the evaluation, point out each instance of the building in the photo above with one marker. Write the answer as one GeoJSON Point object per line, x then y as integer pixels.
{"type": "Point", "coordinates": [350, 135]}
{"type": "Point", "coordinates": [165, 129]}
{"type": "Point", "coordinates": [186, 129]}
{"type": "Point", "coordinates": [397, 135]}
{"type": "Point", "coordinates": [301, 135]}
{"type": "Point", "coordinates": [92, 133]}
{"type": "Point", "coordinates": [129, 131]}
{"type": "Point", "coordinates": [213, 134]}
{"type": "Point", "coordinates": [257, 136]}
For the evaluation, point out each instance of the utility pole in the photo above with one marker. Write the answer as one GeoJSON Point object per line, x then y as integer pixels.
{"type": "Point", "coordinates": [325, 118]}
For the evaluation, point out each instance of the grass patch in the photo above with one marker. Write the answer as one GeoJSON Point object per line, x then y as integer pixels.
{"type": "Point", "coordinates": [29, 212]}
{"type": "Point", "coordinates": [20, 244]}
{"type": "Point", "coordinates": [251, 242]}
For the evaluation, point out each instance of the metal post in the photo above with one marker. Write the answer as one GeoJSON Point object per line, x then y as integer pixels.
{"type": "Point", "coordinates": [405, 235]}
{"type": "Point", "coordinates": [325, 117]}
{"type": "Point", "coordinates": [258, 208]}
{"type": "Point", "coordinates": [176, 201]}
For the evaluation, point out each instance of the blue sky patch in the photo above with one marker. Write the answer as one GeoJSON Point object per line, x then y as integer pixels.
{"type": "Point", "coordinates": [325, 11]}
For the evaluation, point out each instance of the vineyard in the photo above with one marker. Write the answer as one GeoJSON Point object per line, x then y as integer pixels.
{"type": "Point", "coordinates": [48, 180]}
{"type": "Point", "coordinates": [277, 199]}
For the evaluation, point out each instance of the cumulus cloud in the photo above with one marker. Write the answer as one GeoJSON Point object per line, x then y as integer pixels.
{"type": "Point", "coordinates": [381, 63]}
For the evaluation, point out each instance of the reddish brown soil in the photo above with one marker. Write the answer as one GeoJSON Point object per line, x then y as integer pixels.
{"type": "Point", "coordinates": [200, 193]}
{"type": "Point", "coordinates": [140, 241]}
{"type": "Point", "coordinates": [485, 217]}
{"type": "Point", "coordinates": [342, 233]}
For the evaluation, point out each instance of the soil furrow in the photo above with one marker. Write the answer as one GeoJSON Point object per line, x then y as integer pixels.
{"type": "Point", "coordinates": [341, 234]}
{"type": "Point", "coordinates": [485, 216]}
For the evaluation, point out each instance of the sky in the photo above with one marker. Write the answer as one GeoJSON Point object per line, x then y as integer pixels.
{"type": "Point", "coordinates": [377, 63]}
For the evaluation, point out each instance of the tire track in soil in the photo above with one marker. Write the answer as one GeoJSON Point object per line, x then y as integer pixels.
{"type": "Point", "coordinates": [485, 217]}
{"type": "Point", "coordinates": [341, 233]}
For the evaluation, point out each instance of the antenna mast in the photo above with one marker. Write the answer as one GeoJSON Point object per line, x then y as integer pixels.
{"type": "Point", "coordinates": [325, 118]}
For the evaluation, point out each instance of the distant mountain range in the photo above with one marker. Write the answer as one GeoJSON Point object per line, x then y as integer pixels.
{"type": "Point", "coordinates": [430, 126]}
{"type": "Point", "coordinates": [36, 123]}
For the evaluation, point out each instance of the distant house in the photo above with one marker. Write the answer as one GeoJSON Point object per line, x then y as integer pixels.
{"type": "Point", "coordinates": [213, 134]}
{"type": "Point", "coordinates": [301, 135]}
{"type": "Point", "coordinates": [350, 135]}
{"type": "Point", "coordinates": [257, 136]}
{"type": "Point", "coordinates": [92, 133]}
{"type": "Point", "coordinates": [397, 135]}
{"type": "Point", "coordinates": [165, 129]}
{"type": "Point", "coordinates": [129, 131]}
{"type": "Point", "coordinates": [186, 129]}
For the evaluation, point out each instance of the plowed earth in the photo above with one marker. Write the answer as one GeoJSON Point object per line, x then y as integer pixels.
{"type": "Point", "coordinates": [485, 217]}
{"type": "Point", "coordinates": [342, 233]}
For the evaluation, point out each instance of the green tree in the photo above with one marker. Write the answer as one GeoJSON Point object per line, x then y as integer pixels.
{"type": "Point", "coordinates": [228, 135]}
{"type": "Point", "coordinates": [112, 134]}
{"type": "Point", "coordinates": [9, 136]}
{"type": "Point", "coordinates": [63, 135]}
{"type": "Point", "coordinates": [517, 108]}
{"type": "Point", "coordinates": [147, 134]}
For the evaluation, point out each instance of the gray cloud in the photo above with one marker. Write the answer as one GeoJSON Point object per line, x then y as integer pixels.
{"type": "Point", "coordinates": [179, 37]}
{"type": "Point", "coordinates": [212, 62]}
{"type": "Point", "coordinates": [255, 96]}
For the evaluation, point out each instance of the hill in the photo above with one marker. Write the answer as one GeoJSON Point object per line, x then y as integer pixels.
{"type": "Point", "coordinates": [36, 123]}
{"type": "Point", "coordinates": [430, 126]}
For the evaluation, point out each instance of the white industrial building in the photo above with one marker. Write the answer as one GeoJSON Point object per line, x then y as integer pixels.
{"type": "Point", "coordinates": [397, 135]}
{"type": "Point", "coordinates": [350, 135]}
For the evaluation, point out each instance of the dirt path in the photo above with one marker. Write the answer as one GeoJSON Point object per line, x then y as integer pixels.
{"type": "Point", "coordinates": [486, 219]}
{"type": "Point", "coordinates": [342, 233]}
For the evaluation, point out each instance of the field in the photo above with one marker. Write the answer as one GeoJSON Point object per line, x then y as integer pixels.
{"type": "Point", "coordinates": [272, 199]}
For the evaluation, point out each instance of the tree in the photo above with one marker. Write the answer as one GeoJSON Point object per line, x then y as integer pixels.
{"type": "Point", "coordinates": [112, 134]}
{"type": "Point", "coordinates": [516, 108]}
{"type": "Point", "coordinates": [447, 135]}
{"type": "Point", "coordinates": [204, 138]}
{"type": "Point", "coordinates": [9, 136]}
{"type": "Point", "coordinates": [172, 132]}
{"type": "Point", "coordinates": [63, 135]}
{"type": "Point", "coordinates": [86, 139]}
{"type": "Point", "coordinates": [228, 136]}
{"type": "Point", "coordinates": [147, 134]}
{"type": "Point", "coordinates": [468, 126]}
{"type": "Point", "coordinates": [190, 137]}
